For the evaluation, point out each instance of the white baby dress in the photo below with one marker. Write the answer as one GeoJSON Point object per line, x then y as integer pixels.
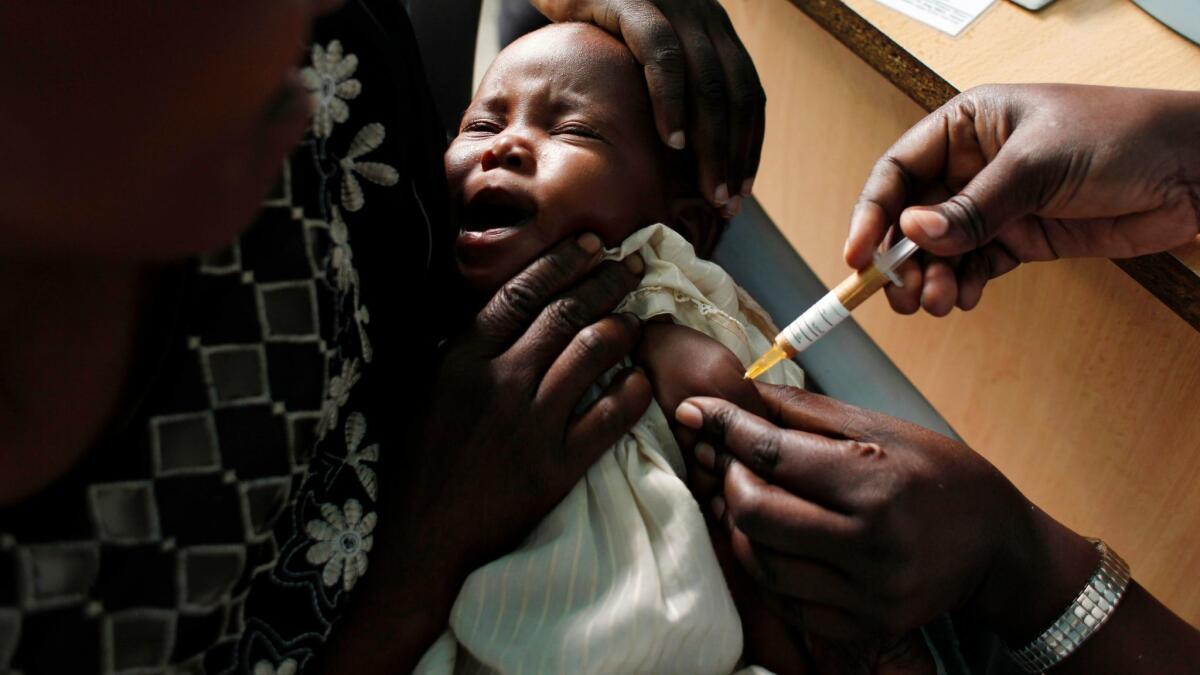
{"type": "Point", "coordinates": [621, 577]}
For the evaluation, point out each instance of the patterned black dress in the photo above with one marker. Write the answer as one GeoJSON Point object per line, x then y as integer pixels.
{"type": "Point", "coordinates": [225, 517]}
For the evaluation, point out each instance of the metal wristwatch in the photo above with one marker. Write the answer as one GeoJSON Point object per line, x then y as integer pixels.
{"type": "Point", "coordinates": [1089, 611]}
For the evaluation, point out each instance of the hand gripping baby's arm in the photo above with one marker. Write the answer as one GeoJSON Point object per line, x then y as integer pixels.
{"type": "Point", "coordinates": [682, 362]}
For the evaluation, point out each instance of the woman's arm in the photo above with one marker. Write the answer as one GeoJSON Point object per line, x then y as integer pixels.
{"type": "Point", "coordinates": [1038, 575]}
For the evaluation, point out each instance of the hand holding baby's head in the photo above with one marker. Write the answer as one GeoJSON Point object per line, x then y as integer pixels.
{"type": "Point", "coordinates": [560, 139]}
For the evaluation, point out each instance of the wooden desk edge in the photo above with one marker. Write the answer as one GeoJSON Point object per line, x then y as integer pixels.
{"type": "Point", "coordinates": [1163, 274]}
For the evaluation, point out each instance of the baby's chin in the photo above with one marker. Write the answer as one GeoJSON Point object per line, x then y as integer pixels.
{"type": "Point", "coordinates": [484, 283]}
{"type": "Point", "coordinates": [488, 259]}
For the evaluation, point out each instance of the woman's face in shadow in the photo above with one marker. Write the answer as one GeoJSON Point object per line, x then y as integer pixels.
{"type": "Point", "coordinates": [143, 129]}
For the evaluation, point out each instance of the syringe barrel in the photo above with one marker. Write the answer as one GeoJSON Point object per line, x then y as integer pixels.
{"type": "Point", "coordinates": [836, 305]}
{"type": "Point", "coordinates": [817, 321]}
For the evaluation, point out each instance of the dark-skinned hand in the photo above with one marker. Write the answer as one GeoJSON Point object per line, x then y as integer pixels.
{"type": "Point", "coordinates": [681, 363]}
{"type": "Point", "coordinates": [1006, 174]}
{"type": "Point", "coordinates": [497, 446]}
{"type": "Point", "coordinates": [866, 526]}
{"type": "Point", "coordinates": [703, 85]}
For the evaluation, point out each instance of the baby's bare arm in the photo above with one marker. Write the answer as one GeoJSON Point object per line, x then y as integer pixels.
{"type": "Point", "coordinates": [683, 362]}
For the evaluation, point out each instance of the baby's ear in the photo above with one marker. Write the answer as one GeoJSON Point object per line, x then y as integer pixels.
{"type": "Point", "coordinates": [698, 222]}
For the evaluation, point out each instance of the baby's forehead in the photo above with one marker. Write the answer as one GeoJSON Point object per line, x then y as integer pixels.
{"type": "Point", "coordinates": [577, 58]}
{"type": "Point", "coordinates": [573, 39]}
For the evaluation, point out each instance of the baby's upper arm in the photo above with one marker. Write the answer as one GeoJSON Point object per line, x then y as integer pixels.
{"type": "Point", "coordinates": [682, 362]}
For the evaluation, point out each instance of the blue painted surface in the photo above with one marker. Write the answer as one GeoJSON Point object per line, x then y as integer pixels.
{"type": "Point", "coordinates": [845, 364]}
{"type": "Point", "coordinates": [1181, 16]}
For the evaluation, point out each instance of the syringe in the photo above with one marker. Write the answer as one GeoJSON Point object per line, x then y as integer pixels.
{"type": "Point", "coordinates": [834, 307]}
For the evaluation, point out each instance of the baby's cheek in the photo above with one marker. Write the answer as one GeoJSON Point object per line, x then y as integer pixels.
{"type": "Point", "coordinates": [458, 160]}
{"type": "Point", "coordinates": [610, 201]}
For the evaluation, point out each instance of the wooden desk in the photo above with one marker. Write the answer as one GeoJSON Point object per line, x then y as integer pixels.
{"type": "Point", "coordinates": [1070, 376]}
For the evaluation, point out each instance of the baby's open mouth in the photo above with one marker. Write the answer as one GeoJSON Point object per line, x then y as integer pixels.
{"type": "Point", "coordinates": [492, 209]}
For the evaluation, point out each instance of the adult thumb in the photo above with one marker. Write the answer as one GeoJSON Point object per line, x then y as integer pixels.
{"type": "Point", "coordinates": [1006, 189]}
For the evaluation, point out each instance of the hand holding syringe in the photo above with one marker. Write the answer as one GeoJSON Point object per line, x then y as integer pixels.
{"type": "Point", "coordinates": [834, 307]}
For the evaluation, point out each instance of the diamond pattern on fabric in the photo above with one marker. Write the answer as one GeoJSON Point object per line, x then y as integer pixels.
{"type": "Point", "coordinates": [137, 641]}
{"type": "Point", "coordinates": [53, 575]}
{"type": "Point", "coordinates": [207, 575]}
{"type": "Point", "coordinates": [125, 512]}
{"type": "Point", "coordinates": [289, 311]}
{"type": "Point", "coordinates": [236, 374]}
{"type": "Point", "coordinates": [184, 443]}
{"type": "Point", "coordinates": [178, 545]}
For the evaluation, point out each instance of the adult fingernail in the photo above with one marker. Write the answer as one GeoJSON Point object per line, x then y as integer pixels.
{"type": "Point", "coordinates": [718, 507]}
{"type": "Point", "coordinates": [748, 187]}
{"type": "Point", "coordinates": [689, 415]}
{"type": "Point", "coordinates": [635, 263]}
{"type": "Point", "coordinates": [733, 207]}
{"type": "Point", "coordinates": [857, 217]}
{"type": "Point", "coordinates": [706, 455]}
{"type": "Point", "coordinates": [677, 140]}
{"type": "Point", "coordinates": [857, 224]}
{"type": "Point", "coordinates": [589, 242]}
{"type": "Point", "coordinates": [721, 196]}
{"type": "Point", "coordinates": [932, 223]}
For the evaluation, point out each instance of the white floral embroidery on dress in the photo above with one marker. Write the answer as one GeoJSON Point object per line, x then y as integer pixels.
{"type": "Point", "coordinates": [338, 542]}
{"type": "Point", "coordinates": [341, 258]}
{"type": "Point", "coordinates": [356, 430]}
{"type": "Point", "coordinates": [343, 540]}
{"type": "Point", "coordinates": [336, 397]}
{"type": "Point", "coordinates": [329, 84]}
{"type": "Point", "coordinates": [285, 667]}
{"type": "Point", "coordinates": [362, 317]}
{"type": "Point", "coordinates": [367, 139]}
{"type": "Point", "coordinates": [345, 278]}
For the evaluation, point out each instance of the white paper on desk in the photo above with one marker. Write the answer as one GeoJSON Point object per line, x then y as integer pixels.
{"type": "Point", "coordinates": [948, 16]}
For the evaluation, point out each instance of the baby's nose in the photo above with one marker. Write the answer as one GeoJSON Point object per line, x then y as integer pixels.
{"type": "Point", "coordinates": [510, 152]}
